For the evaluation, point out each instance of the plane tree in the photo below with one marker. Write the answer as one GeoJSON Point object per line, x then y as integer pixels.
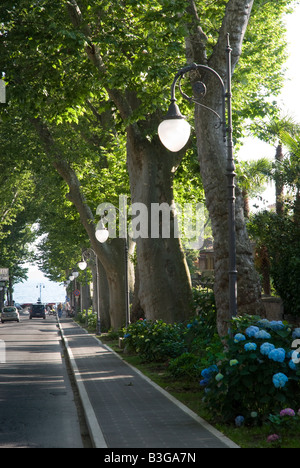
{"type": "Point", "coordinates": [120, 57]}
{"type": "Point", "coordinates": [45, 109]}
{"type": "Point", "coordinates": [136, 50]}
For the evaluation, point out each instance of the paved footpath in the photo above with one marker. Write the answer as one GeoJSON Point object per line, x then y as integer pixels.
{"type": "Point", "coordinates": [125, 409]}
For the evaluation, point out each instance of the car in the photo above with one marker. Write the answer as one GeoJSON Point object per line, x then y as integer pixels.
{"type": "Point", "coordinates": [10, 314]}
{"type": "Point", "coordinates": [37, 310]}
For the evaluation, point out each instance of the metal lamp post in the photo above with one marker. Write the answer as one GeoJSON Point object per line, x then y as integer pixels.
{"type": "Point", "coordinates": [82, 265]}
{"type": "Point", "coordinates": [174, 133]}
{"type": "Point", "coordinates": [41, 285]}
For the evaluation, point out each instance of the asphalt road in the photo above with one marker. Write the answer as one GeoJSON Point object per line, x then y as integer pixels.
{"type": "Point", "coordinates": [37, 407]}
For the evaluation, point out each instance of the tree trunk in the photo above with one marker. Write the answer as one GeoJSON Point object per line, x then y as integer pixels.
{"type": "Point", "coordinates": [212, 158]}
{"type": "Point", "coordinates": [246, 200]}
{"type": "Point", "coordinates": [102, 295]}
{"type": "Point", "coordinates": [279, 186]}
{"type": "Point", "coordinates": [164, 280]}
{"type": "Point", "coordinates": [213, 171]}
{"type": "Point", "coordinates": [85, 298]}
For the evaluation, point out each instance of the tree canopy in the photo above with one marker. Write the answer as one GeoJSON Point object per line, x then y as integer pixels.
{"type": "Point", "coordinates": [87, 83]}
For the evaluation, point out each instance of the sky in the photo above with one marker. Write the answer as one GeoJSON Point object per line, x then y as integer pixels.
{"type": "Point", "coordinates": [289, 101]}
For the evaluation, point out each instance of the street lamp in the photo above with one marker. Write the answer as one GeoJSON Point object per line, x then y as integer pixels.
{"type": "Point", "coordinates": [41, 285]}
{"type": "Point", "coordinates": [174, 133]}
{"type": "Point", "coordinates": [82, 265]}
{"type": "Point", "coordinates": [101, 232]}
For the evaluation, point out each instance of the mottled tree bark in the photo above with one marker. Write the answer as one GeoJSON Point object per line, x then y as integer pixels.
{"type": "Point", "coordinates": [164, 280]}
{"type": "Point", "coordinates": [212, 159]}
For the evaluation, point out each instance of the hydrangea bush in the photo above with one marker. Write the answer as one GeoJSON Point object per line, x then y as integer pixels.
{"type": "Point", "coordinates": [257, 374]}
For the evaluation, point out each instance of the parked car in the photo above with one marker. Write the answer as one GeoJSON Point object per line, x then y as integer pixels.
{"type": "Point", "coordinates": [37, 310]}
{"type": "Point", "coordinates": [10, 314]}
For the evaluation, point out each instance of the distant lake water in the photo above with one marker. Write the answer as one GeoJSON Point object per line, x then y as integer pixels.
{"type": "Point", "coordinates": [29, 291]}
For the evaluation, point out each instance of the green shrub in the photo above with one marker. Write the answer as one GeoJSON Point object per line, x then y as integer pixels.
{"type": "Point", "coordinates": [92, 321]}
{"type": "Point", "coordinates": [155, 341]}
{"type": "Point", "coordinates": [280, 235]}
{"type": "Point", "coordinates": [159, 341]}
{"type": "Point", "coordinates": [90, 316]}
{"type": "Point", "coordinates": [188, 365]}
{"type": "Point", "coordinates": [81, 317]}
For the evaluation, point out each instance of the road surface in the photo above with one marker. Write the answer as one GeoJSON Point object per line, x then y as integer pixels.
{"type": "Point", "coordinates": [37, 407]}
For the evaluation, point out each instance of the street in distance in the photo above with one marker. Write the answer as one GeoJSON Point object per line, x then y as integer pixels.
{"type": "Point", "coordinates": [151, 457]}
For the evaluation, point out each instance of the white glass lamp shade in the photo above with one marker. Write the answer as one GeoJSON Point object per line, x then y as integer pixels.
{"type": "Point", "coordinates": [174, 133]}
{"type": "Point", "coordinates": [75, 274]}
{"type": "Point", "coordinates": [71, 277]}
{"type": "Point", "coordinates": [82, 265]}
{"type": "Point", "coordinates": [101, 233]}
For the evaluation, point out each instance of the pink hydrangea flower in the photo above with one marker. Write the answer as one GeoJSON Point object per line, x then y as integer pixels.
{"type": "Point", "coordinates": [273, 438]}
{"type": "Point", "coordinates": [287, 412]}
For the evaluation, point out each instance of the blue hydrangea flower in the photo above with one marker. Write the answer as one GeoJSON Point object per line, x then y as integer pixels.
{"type": "Point", "coordinates": [276, 325]}
{"type": "Point", "coordinates": [250, 346]}
{"type": "Point", "coordinates": [277, 354]}
{"type": "Point", "coordinates": [266, 348]}
{"type": "Point", "coordinates": [251, 331]}
{"type": "Point", "coordinates": [279, 380]}
{"type": "Point", "coordinates": [296, 333]}
{"type": "Point", "coordinates": [204, 382]}
{"type": "Point", "coordinates": [292, 365]}
{"type": "Point", "coordinates": [239, 337]}
{"type": "Point", "coordinates": [262, 334]}
{"type": "Point", "coordinates": [239, 421]}
{"type": "Point", "coordinates": [207, 373]}
{"type": "Point", "coordinates": [263, 322]}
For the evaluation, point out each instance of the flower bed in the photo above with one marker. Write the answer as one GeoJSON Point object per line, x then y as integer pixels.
{"type": "Point", "coordinates": [253, 380]}
{"type": "Point", "coordinates": [258, 373]}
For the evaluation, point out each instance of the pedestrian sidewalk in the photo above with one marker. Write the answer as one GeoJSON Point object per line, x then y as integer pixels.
{"type": "Point", "coordinates": [125, 409]}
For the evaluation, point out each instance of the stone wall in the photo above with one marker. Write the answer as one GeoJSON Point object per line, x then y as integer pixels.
{"type": "Point", "coordinates": [275, 311]}
{"type": "Point", "coordinates": [273, 307]}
